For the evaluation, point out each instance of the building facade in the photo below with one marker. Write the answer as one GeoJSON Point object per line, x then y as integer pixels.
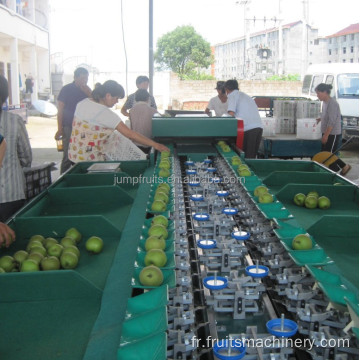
{"type": "Point", "coordinates": [300, 47]}
{"type": "Point", "coordinates": [24, 48]}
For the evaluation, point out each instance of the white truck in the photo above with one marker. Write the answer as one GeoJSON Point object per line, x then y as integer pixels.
{"type": "Point", "coordinates": [344, 77]}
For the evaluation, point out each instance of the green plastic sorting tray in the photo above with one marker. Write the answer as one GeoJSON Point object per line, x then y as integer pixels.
{"type": "Point", "coordinates": [278, 179]}
{"type": "Point", "coordinates": [262, 168]}
{"type": "Point", "coordinates": [151, 348]}
{"type": "Point", "coordinates": [338, 235]}
{"type": "Point", "coordinates": [344, 201]}
{"type": "Point", "coordinates": [316, 257]}
{"type": "Point", "coordinates": [111, 202]}
{"type": "Point", "coordinates": [275, 210]}
{"type": "Point", "coordinates": [147, 301]}
{"type": "Point", "coordinates": [337, 294]}
{"type": "Point", "coordinates": [50, 315]}
{"type": "Point", "coordinates": [121, 179]}
{"type": "Point", "coordinates": [287, 243]}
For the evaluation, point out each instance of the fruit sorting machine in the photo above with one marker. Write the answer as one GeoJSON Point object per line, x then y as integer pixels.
{"type": "Point", "coordinates": [232, 287]}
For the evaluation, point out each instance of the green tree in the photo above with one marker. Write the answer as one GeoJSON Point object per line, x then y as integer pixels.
{"type": "Point", "coordinates": [183, 51]}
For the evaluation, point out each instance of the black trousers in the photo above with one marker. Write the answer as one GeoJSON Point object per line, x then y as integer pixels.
{"type": "Point", "coordinates": [332, 145]}
{"type": "Point", "coordinates": [252, 139]}
{"type": "Point", "coordinates": [10, 208]}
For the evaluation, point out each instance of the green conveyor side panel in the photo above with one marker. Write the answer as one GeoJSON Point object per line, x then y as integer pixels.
{"type": "Point", "coordinates": [194, 127]}
{"type": "Point", "coordinates": [105, 337]}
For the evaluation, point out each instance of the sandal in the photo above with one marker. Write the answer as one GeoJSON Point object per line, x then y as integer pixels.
{"type": "Point", "coordinates": [345, 170]}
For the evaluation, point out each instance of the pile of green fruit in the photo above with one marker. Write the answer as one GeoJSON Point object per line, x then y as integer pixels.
{"type": "Point", "coordinates": [302, 242]}
{"type": "Point", "coordinates": [161, 198]}
{"type": "Point", "coordinates": [50, 254]}
{"type": "Point", "coordinates": [155, 257]}
{"type": "Point", "coordinates": [243, 170]}
{"type": "Point", "coordinates": [312, 200]}
{"type": "Point", "coordinates": [224, 146]}
{"type": "Point", "coordinates": [164, 164]}
{"type": "Point", "coordinates": [262, 192]}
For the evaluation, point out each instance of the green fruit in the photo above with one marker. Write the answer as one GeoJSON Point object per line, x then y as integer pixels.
{"type": "Point", "coordinates": [33, 244]}
{"type": "Point", "coordinates": [49, 242]}
{"type": "Point", "coordinates": [68, 260]}
{"type": "Point", "coordinates": [50, 263]}
{"type": "Point", "coordinates": [164, 185]}
{"type": "Point", "coordinates": [158, 206]}
{"type": "Point", "coordinates": [165, 154]}
{"type": "Point", "coordinates": [302, 242]}
{"type": "Point", "coordinates": [161, 196]}
{"type": "Point", "coordinates": [55, 250]}
{"type": "Point", "coordinates": [313, 193]}
{"type": "Point", "coordinates": [245, 173]}
{"type": "Point", "coordinates": [72, 249]}
{"type": "Point", "coordinates": [156, 257]}
{"type": "Point", "coordinates": [38, 249]}
{"type": "Point", "coordinates": [67, 241]}
{"type": "Point", "coordinates": [161, 220]}
{"type": "Point", "coordinates": [158, 230]}
{"type": "Point", "coordinates": [259, 190]}
{"type": "Point", "coordinates": [164, 164]}
{"type": "Point", "coordinates": [7, 263]}
{"type": "Point", "coordinates": [151, 276]}
{"type": "Point", "coordinates": [29, 265]}
{"type": "Point", "coordinates": [299, 199]}
{"type": "Point", "coordinates": [20, 256]}
{"type": "Point", "coordinates": [36, 257]}
{"type": "Point", "coordinates": [311, 202]}
{"type": "Point", "coordinates": [39, 238]}
{"type": "Point", "coordinates": [74, 234]}
{"type": "Point", "coordinates": [164, 173]}
{"type": "Point", "coordinates": [226, 149]}
{"type": "Point", "coordinates": [266, 198]}
{"type": "Point", "coordinates": [236, 161]}
{"type": "Point", "coordinates": [243, 167]}
{"type": "Point", "coordinates": [154, 242]}
{"type": "Point", "coordinates": [94, 244]}
{"type": "Point", "coordinates": [323, 202]}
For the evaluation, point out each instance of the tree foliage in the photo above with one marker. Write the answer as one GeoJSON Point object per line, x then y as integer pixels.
{"type": "Point", "coordinates": [289, 77]}
{"type": "Point", "coordinates": [183, 51]}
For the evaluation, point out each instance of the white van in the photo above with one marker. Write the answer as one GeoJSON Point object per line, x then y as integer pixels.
{"type": "Point", "coordinates": [344, 77]}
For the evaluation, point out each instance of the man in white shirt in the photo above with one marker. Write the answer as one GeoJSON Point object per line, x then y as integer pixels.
{"type": "Point", "coordinates": [242, 106]}
{"type": "Point", "coordinates": [218, 103]}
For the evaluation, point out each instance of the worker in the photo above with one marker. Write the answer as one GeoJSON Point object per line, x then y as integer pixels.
{"type": "Point", "coordinates": [142, 82]}
{"type": "Point", "coordinates": [7, 235]}
{"type": "Point", "coordinates": [68, 98]}
{"type": "Point", "coordinates": [242, 106]}
{"type": "Point", "coordinates": [94, 122]}
{"type": "Point", "coordinates": [18, 155]}
{"type": "Point", "coordinates": [330, 126]}
{"type": "Point", "coordinates": [141, 115]}
{"type": "Point", "coordinates": [218, 103]}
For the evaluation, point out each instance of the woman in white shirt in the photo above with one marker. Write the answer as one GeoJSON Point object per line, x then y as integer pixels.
{"type": "Point", "coordinates": [94, 122]}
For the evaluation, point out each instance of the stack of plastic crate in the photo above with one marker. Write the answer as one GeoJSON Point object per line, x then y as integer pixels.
{"type": "Point", "coordinates": [269, 126]}
{"type": "Point", "coordinates": [284, 113]}
{"type": "Point", "coordinates": [308, 109]}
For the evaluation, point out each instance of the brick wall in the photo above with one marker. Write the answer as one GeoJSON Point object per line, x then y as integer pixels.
{"type": "Point", "coordinates": [202, 90]}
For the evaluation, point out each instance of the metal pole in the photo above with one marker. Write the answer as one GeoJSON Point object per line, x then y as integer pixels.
{"type": "Point", "coordinates": [151, 48]}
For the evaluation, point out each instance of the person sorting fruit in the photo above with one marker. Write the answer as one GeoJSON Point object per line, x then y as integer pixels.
{"type": "Point", "coordinates": [218, 103]}
{"type": "Point", "coordinates": [330, 126]}
{"type": "Point", "coordinates": [242, 106]}
{"type": "Point", "coordinates": [95, 122]}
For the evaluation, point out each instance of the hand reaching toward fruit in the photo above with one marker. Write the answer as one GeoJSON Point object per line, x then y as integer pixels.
{"type": "Point", "coordinates": [7, 235]}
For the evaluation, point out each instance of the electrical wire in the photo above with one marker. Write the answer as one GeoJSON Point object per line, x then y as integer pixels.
{"type": "Point", "coordinates": [124, 44]}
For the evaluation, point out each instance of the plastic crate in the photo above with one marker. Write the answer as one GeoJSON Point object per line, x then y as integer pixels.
{"type": "Point", "coordinates": [308, 128]}
{"type": "Point", "coordinates": [308, 109]}
{"type": "Point", "coordinates": [269, 126]}
{"type": "Point", "coordinates": [37, 179]}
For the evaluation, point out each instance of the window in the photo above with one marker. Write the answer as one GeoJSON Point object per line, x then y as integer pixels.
{"type": "Point", "coordinates": [316, 42]}
{"type": "Point", "coordinates": [344, 50]}
{"type": "Point", "coordinates": [344, 38]}
{"type": "Point", "coordinates": [330, 41]}
{"type": "Point", "coordinates": [316, 81]}
{"type": "Point", "coordinates": [336, 51]}
{"type": "Point", "coordinates": [329, 79]}
{"type": "Point", "coordinates": [351, 60]}
{"type": "Point", "coordinates": [352, 37]}
{"type": "Point", "coordinates": [329, 51]}
{"type": "Point", "coordinates": [351, 49]}
{"type": "Point", "coordinates": [344, 60]}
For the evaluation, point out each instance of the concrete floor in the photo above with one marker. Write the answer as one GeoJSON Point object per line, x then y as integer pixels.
{"type": "Point", "coordinates": [41, 131]}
